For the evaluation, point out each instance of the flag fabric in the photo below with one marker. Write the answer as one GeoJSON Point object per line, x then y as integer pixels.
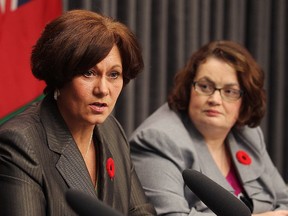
{"type": "Point", "coordinates": [21, 23]}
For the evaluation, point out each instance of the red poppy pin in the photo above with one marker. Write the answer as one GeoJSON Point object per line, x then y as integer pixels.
{"type": "Point", "coordinates": [110, 167]}
{"type": "Point", "coordinates": [243, 157]}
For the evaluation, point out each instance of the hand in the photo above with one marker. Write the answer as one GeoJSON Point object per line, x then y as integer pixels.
{"type": "Point", "coordinates": [273, 213]}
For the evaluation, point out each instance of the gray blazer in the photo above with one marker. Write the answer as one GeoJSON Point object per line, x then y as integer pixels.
{"type": "Point", "coordinates": [167, 143]}
{"type": "Point", "coordinates": [39, 161]}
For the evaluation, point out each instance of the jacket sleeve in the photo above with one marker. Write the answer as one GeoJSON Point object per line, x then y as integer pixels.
{"type": "Point", "coordinates": [278, 187]}
{"type": "Point", "coordinates": [138, 202]}
{"type": "Point", "coordinates": [20, 191]}
{"type": "Point", "coordinates": [159, 164]}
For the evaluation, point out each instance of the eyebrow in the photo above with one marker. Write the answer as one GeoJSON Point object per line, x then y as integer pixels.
{"type": "Point", "coordinates": [116, 66]}
{"type": "Point", "coordinates": [205, 78]}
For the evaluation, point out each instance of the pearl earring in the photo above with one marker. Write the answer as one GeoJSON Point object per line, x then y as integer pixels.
{"type": "Point", "coordinates": [56, 94]}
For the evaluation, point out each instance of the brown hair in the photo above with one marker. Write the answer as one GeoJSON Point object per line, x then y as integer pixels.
{"type": "Point", "coordinates": [77, 41]}
{"type": "Point", "coordinates": [249, 73]}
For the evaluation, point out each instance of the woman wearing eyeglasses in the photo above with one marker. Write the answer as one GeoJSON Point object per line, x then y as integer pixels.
{"type": "Point", "coordinates": [210, 123]}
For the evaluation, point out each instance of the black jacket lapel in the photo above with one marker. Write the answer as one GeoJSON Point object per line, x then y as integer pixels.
{"type": "Point", "coordinates": [71, 165]}
{"type": "Point", "coordinates": [106, 184]}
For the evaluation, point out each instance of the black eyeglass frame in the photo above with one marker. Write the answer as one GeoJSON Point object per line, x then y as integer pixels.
{"type": "Point", "coordinates": [196, 83]}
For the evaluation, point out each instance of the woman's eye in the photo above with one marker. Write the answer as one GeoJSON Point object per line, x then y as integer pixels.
{"type": "Point", "coordinates": [231, 91]}
{"type": "Point", "coordinates": [114, 75]}
{"type": "Point", "coordinates": [88, 73]}
{"type": "Point", "coordinates": [204, 86]}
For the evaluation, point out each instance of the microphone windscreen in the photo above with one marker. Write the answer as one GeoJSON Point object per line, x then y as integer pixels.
{"type": "Point", "coordinates": [86, 205]}
{"type": "Point", "coordinates": [215, 197]}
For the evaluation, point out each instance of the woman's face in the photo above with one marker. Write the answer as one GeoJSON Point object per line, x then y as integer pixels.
{"type": "Point", "coordinates": [89, 98]}
{"type": "Point", "coordinates": [213, 113]}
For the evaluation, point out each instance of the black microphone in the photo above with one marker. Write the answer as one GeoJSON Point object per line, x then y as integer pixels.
{"type": "Point", "coordinates": [86, 205]}
{"type": "Point", "coordinates": [215, 197]}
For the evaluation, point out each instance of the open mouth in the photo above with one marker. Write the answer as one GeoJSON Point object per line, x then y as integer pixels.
{"type": "Point", "coordinates": [100, 104]}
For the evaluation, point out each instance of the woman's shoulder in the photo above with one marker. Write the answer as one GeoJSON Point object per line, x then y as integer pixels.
{"type": "Point", "coordinates": [22, 121]}
{"type": "Point", "coordinates": [252, 136]}
{"type": "Point", "coordinates": [163, 129]}
{"type": "Point", "coordinates": [162, 118]}
{"type": "Point", "coordinates": [21, 134]}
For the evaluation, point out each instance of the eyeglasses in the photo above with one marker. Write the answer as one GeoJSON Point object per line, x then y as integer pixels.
{"type": "Point", "coordinates": [227, 93]}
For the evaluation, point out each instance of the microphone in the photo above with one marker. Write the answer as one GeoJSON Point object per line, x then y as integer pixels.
{"type": "Point", "coordinates": [215, 197]}
{"type": "Point", "coordinates": [86, 205]}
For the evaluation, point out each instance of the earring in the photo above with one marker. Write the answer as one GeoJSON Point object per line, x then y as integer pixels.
{"type": "Point", "coordinates": [56, 94]}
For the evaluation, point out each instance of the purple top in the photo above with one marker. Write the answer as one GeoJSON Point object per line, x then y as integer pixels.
{"type": "Point", "coordinates": [233, 181]}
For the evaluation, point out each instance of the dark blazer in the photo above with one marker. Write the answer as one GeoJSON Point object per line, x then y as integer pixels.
{"type": "Point", "coordinates": [39, 161]}
{"type": "Point", "coordinates": [167, 143]}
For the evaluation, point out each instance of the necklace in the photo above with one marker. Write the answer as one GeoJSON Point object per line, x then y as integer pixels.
{"type": "Point", "coordinates": [89, 144]}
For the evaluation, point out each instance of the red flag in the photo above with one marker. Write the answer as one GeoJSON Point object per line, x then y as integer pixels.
{"type": "Point", "coordinates": [21, 23]}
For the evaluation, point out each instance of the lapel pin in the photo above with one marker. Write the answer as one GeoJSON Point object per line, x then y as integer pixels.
{"type": "Point", "coordinates": [110, 167]}
{"type": "Point", "coordinates": [243, 157]}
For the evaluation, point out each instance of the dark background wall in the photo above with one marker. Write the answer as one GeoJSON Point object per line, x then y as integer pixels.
{"type": "Point", "coordinates": [171, 30]}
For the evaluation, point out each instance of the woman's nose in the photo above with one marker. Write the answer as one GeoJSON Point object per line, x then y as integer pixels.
{"type": "Point", "coordinates": [101, 86]}
{"type": "Point", "coordinates": [215, 97]}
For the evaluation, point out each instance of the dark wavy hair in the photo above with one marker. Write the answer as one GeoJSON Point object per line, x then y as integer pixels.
{"type": "Point", "coordinates": [77, 41]}
{"type": "Point", "coordinates": [249, 73]}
